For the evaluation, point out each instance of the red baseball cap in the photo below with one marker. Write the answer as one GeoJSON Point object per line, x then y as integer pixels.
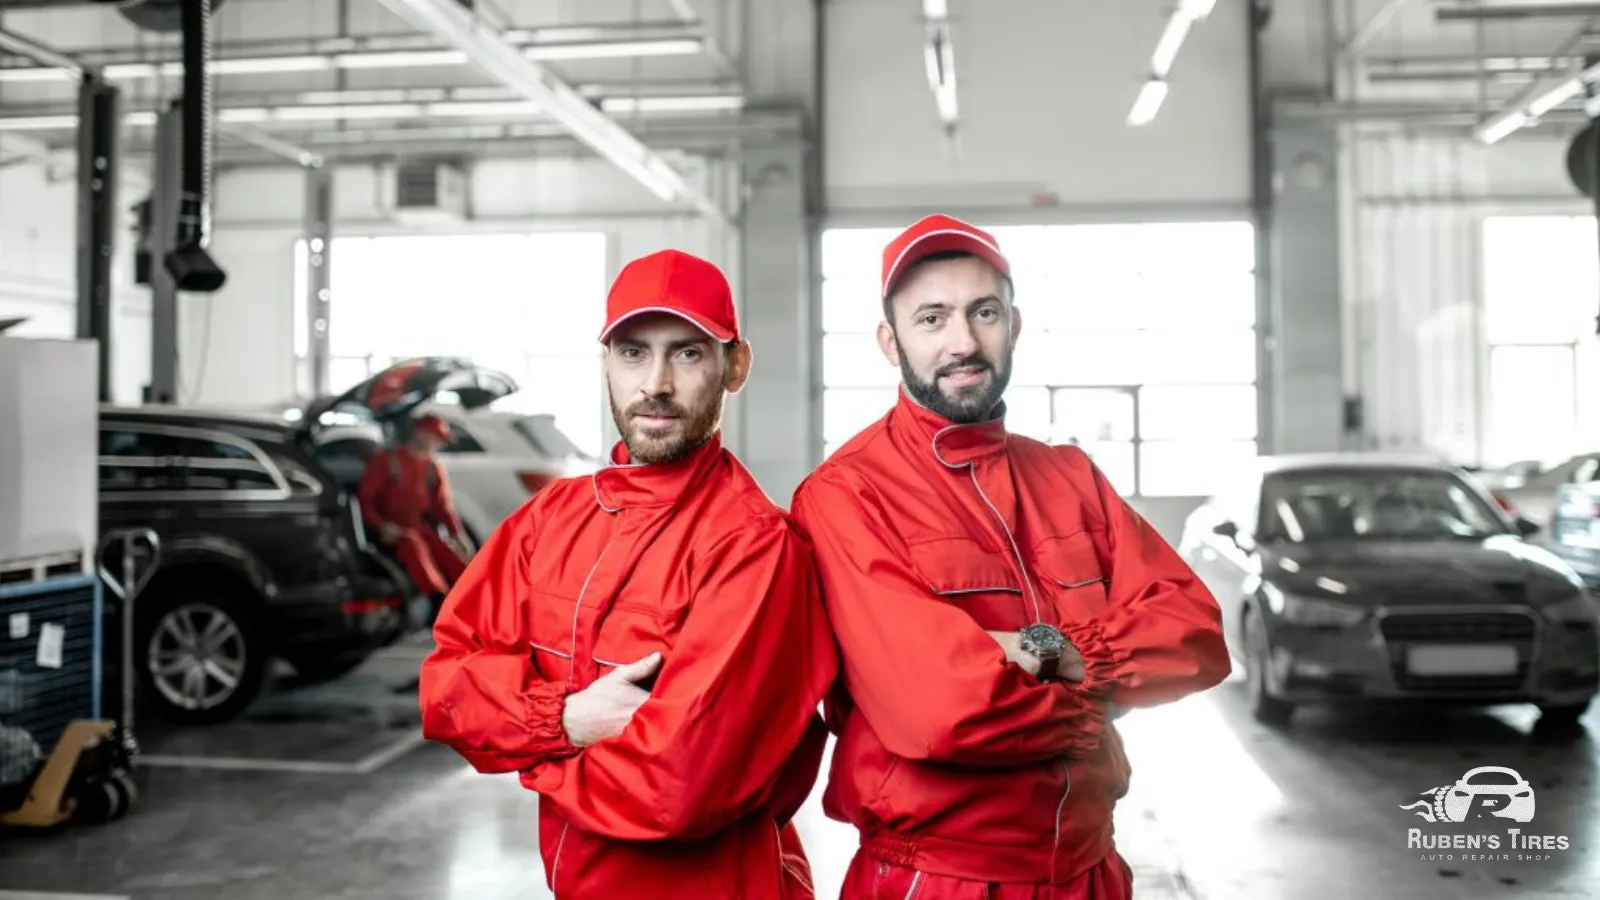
{"type": "Point", "coordinates": [433, 425]}
{"type": "Point", "coordinates": [677, 283]}
{"type": "Point", "coordinates": [938, 234]}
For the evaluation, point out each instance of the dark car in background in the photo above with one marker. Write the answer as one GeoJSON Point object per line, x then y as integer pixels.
{"type": "Point", "coordinates": [1367, 577]}
{"type": "Point", "coordinates": [262, 555]}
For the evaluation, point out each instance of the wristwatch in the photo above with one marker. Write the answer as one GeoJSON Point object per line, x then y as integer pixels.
{"type": "Point", "coordinates": [1044, 643]}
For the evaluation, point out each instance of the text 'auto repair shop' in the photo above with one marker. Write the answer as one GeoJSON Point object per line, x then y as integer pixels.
{"type": "Point", "coordinates": [299, 303]}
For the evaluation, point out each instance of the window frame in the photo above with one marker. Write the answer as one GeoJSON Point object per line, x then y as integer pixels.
{"type": "Point", "coordinates": [260, 462]}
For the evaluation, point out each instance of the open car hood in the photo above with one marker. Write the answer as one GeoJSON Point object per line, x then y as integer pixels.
{"type": "Point", "coordinates": [401, 388]}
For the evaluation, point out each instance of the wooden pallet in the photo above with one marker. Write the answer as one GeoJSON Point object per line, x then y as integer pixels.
{"type": "Point", "coordinates": [40, 568]}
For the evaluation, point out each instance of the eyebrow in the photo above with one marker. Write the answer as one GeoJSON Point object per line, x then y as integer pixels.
{"type": "Point", "coordinates": [675, 345]}
{"type": "Point", "coordinates": [939, 306]}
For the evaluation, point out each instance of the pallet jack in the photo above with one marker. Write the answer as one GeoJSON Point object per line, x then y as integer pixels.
{"type": "Point", "coordinates": [89, 775]}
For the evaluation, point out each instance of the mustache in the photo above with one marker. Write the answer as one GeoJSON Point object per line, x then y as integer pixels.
{"type": "Point", "coordinates": [663, 408]}
{"type": "Point", "coordinates": [971, 362]}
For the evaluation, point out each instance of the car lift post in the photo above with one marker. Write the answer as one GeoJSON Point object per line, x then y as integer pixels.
{"type": "Point", "coordinates": [99, 117]}
{"type": "Point", "coordinates": [165, 186]}
{"type": "Point", "coordinates": [319, 246]}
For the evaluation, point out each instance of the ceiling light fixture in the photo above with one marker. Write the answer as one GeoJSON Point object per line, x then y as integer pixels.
{"type": "Point", "coordinates": [1154, 92]}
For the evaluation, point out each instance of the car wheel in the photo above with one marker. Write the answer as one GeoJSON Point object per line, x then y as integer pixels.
{"type": "Point", "coordinates": [1562, 716]}
{"type": "Point", "coordinates": [201, 659]}
{"type": "Point", "coordinates": [314, 669]}
{"type": "Point", "coordinates": [1266, 709]}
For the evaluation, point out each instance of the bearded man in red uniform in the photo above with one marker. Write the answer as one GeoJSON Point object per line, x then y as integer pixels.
{"type": "Point", "coordinates": [992, 596]}
{"type": "Point", "coordinates": [646, 647]}
{"type": "Point", "coordinates": [405, 500]}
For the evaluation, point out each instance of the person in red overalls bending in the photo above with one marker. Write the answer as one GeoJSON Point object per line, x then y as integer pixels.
{"type": "Point", "coordinates": [405, 498]}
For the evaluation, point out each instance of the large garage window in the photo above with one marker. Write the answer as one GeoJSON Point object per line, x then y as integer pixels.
{"type": "Point", "coordinates": [1138, 345]}
{"type": "Point", "coordinates": [1539, 289]}
{"type": "Point", "coordinates": [529, 305]}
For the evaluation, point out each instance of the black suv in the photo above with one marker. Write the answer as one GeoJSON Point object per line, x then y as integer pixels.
{"type": "Point", "coordinates": [263, 555]}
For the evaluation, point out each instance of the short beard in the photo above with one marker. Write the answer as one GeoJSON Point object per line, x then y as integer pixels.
{"type": "Point", "coordinates": [696, 430]}
{"type": "Point", "coordinates": [976, 405]}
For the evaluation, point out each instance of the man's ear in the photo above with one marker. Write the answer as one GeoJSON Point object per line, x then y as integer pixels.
{"type": "Point", "coordinates": [1016, 325]}
{"type": "Point", "coordinates": [888, 344]}
{"type": "Point", "coordinates": [740, 358]}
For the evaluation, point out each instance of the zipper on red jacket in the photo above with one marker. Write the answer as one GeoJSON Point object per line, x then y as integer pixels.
{"type": "Point", "coordinates": [1055, 852]}
{"type": "Point", "coordinates": [577, 608]}
{"type": "Point", "coordinates": [1016, 552]}
{"type": "Point", "coordinates": [555, 867]}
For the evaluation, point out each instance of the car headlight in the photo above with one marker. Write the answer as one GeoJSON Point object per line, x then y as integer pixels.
{"type": "Point", "coordinates": [1576, 609]}
{"type": "Point", "coordinates": [1312, 611]}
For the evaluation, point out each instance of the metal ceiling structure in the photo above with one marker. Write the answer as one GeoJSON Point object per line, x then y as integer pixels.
{"type": "Point", "coordinates": [466, 74]}
{"type": "Point", "coordinates": [1487, 67]}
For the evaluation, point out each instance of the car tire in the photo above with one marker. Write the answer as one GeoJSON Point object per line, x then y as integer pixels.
{"type": "Point", "coordinates": [167, 622]}
{"type": "Point", "coordinates": [1562, 716]}
{"type": "Point", "coordinates": [313, 669]}
{"type": "Point", "coordinates": [1264, 708]}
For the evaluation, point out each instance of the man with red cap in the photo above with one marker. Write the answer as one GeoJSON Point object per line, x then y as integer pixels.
{"type": "Point", "coordinates": [405, 500]}
{"type": "Point", "coordinates": [646, 647]}
{"type": "Point", "coordinates": [993, 597]}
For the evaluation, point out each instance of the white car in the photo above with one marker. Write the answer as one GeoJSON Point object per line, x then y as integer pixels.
{"type": "Point", "coordinates": [1533, 496]}
{"type": "Point", "coordinates": [495, 460]}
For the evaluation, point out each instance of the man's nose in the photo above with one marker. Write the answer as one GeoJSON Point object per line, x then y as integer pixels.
{"type": "Point", "coordinates": [658, 382]}
{"type": "Point", "coordinates": [961, 342]}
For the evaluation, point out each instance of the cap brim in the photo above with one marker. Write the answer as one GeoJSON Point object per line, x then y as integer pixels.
{"type": "Point", "coordinates": [944, 241]}
{"type": "Point", "coordinates": [717, 334]}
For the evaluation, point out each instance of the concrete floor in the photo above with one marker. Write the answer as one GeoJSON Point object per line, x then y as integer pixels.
{"type": "Point", "coordinates": [325, 792]}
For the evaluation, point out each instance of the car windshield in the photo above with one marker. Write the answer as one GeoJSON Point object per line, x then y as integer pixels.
{"type": "Point", "coordinates": [1373, 504]}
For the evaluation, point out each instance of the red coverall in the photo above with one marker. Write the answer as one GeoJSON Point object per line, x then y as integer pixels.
{"type": "Point", "coordinates": [967, 776]}
{"type": "Point", "coordinates": [690, 559]}
{"type": "Point", "coordinates": [409, 490]}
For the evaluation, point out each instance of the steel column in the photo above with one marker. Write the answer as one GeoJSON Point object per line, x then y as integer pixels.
{"type": "Point", "coordinates": [166, 186]}
{"type": "Point", "coordinates": [99, 108]}
{"type": "Point", "coordinates": [319, 247]}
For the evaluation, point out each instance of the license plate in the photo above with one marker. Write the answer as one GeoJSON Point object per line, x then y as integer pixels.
{"type": "Point", "coordinates": [1462, 659]}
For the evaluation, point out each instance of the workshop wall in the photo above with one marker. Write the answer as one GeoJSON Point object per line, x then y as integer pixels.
{"type": "Point", "coordinates": [1043, 108]}
{"type": "Point", "coordinates": [1415, 350]}
{"type": "Point", "coordinates": [245, 333]}
{"type": "Point", "coordinates": [38, 271]}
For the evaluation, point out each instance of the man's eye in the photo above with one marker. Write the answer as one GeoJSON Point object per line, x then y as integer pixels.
{"type": "Point", "coordinates": [988, 313]}
{"type": "Point", "coordinates": [690, 355]}
{"type": "Point", "coordinates": [929, 319]}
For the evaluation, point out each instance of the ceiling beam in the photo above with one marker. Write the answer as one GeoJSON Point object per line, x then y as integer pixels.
{"type": "Point", "coordinates": [1471, 10]}
{"type": "Point", "coordinates": [492, 55]}
{"type": "Point", "coordinates": [1369, 30]}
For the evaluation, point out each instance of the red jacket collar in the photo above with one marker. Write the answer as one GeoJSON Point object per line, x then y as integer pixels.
{"type": "Point", "coordinates": [953, 444]}
{"type": "Point", "coordinates": [624, 484]}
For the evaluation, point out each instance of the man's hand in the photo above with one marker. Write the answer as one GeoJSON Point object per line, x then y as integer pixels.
{"type": "Point", "coordinates": [603, 709]}
{"type": "Point", "coordinates": [1068, 668]}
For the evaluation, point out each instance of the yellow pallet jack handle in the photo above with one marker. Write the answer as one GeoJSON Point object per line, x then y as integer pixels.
{"type": "Point", "coordinates": [47, 804]}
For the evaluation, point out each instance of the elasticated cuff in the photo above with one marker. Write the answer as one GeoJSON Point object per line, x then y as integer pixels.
{"type": "Point", "coordinates": [1100, 660]}
{"type": "Point", "coordinates": [544, 705]}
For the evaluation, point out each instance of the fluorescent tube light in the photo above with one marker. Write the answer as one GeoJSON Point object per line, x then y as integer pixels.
{"type": "Point", "coordinates": [1148, 103]}
{"type": "Point", "coordinates": [1172, 38]}
{"type": "Point", "coordinates": [615, 49]}
{"type": "Point", "coordinates": [708, 103]}
{"type": "Point", "coordinates": [1500, 127]}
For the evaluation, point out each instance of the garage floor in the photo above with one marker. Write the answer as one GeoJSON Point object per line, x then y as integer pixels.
{"type": "Point", "coordinates": [327, 792]}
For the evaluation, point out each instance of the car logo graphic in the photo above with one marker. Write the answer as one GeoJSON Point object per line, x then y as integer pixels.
{"type": "Point", "coordinates": [1487, 791]}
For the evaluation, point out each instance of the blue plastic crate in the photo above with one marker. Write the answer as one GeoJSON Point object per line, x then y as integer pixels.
{"type": "Point", "coordinates": [42, 699]}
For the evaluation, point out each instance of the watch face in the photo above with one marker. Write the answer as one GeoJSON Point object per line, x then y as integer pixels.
{"type": "Point", "coordinates": [1045, 638]}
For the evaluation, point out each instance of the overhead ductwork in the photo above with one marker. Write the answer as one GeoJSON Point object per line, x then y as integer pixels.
{"type": "Point", "coordinates": [190, 262]}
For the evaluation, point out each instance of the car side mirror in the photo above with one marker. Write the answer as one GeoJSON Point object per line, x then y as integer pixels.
{"type": "Point", "coordinates": [1527, 527]}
